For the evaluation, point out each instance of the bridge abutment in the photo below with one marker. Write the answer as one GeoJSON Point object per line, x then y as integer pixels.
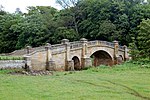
{"type": "Point", "coordinates": [116, 48]}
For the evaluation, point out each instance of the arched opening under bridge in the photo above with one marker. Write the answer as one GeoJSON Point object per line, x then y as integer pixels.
{"type": "Point", "coordinates": [76, 61]}
{"type": "Point", "coordinates": [101, 58]}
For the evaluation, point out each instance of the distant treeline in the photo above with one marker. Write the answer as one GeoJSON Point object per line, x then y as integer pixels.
{"type": "Point", "coordinates": [126, 21]}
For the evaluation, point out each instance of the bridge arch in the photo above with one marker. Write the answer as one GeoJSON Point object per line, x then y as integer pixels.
{"type": "Point", "coordinates": [101, 57]}
{"type": "Point", "coordinates": [77, 65]}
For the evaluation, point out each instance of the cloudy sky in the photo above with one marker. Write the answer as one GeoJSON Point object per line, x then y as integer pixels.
{"type": "Point", "coordinates": [11, 5]}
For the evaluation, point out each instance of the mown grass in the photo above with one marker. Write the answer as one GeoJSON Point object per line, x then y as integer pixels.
{"type": "Point", "coordinates": [122, 82]}
{"type": "Point", "coordinates": [11, 58]}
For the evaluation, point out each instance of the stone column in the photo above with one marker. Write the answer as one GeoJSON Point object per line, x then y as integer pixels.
{"type": "Point", "coordinates": [116, 46]}
{"type": "Point", "coordinates": [85, 60]}
{"type": "Point", "coordinates": [28, 49]}
{"type": "Point", "coordinates": [126, 56]}
{"type": "Point", "coordinates": [68, 62]}
{"type": "Point", "coordinates": [50, 64]}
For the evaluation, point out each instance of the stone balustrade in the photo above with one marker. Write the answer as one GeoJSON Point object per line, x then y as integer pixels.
{"type": "Point", "coordinates": [76, 44]}
{"type": "Point", "coordinates": [58, 48]}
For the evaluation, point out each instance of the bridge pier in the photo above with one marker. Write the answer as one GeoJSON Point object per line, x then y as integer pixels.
{"type": "Point", "coordinates": [50, 64]}
{"type": "Point", "coordinates": [116, 48]}
{"type": "Point", "coordinates": [68, 62]}
{"type": "Point", "coordinates": [86, 63]}
{"type": "Point", "coordinates": [126, 57]}
{"type": "Point", "coordinates": [28, 66]}
{"type": "Point", "coordinates": [85, 60]}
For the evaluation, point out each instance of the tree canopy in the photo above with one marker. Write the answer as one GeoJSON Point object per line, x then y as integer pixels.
{"type": "Point", "coordinates": [144, 38]}
{"type": "Point", "coordinates": [109, 20]}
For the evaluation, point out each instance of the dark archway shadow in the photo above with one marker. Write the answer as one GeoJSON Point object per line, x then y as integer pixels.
{"type": "Point", "coordinates": [120, 59]}
{"type": "Point", "coordinates": [101, 58]}
{"type": "Point", "coordinates": [76, 61]}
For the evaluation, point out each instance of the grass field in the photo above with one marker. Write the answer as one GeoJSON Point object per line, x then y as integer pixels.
{"type": "Point", "coordinates": [123, 82]}
{"type": "Point", "coordinates": [10, 58]}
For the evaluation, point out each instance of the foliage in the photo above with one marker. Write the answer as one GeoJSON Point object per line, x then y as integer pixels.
{"type": "Point", "coordinates": [144, 38]}
{"type": "Point", "coordinates": [134, 52]}
{"type": "Point", "coordinates": [92, 19]}
{"type": "Point", "coordinates": [64, 33]}
{"type": "Point", "coordinates": [8, 34]}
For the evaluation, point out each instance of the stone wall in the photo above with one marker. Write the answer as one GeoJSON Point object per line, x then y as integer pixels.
{"type": "Point", "coordinates": [60, 56]}
{"type": "Point", "coordinates": [11, 64]}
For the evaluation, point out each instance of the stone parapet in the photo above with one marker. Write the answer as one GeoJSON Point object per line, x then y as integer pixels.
{"type": "Point", "coordinates": [11, 64]}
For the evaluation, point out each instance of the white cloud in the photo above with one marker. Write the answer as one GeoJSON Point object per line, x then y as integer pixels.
{"type": "Point", "coordinates": [11, 5]}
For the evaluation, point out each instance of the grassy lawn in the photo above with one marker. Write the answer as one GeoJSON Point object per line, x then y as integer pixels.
{"type": "Point", "coordinates": [11, 58]}
{"type": "Point", "coordinates": [122, 82]}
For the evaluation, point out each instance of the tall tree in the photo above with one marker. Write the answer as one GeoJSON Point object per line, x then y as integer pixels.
{"type": "Point", "coordinates": [144, 38]}
{"type": "Point", "coordinates": [8, 35]}
{"type": "Point", "coordinates": [71, 5]}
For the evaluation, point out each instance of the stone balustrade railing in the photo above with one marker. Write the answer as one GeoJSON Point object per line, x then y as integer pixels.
{"type": "Point", "coordinates": [121, 47]}
{"type": "Point", "coordinates": [92, 43]}
{"type": "Point", "coordinates": [37, 48]}
{"type": "Point", "coordinates": [102, 43]}
{"type": "Point", "coordinates": [76, 44]}
{"type": "Point", "coordinates": [57, 48]}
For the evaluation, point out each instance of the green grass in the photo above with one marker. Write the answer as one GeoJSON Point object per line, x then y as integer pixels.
{"type": "Point", "coordinates": [123, 82]}
{"type": "Point", "coordinates": [10, 58]}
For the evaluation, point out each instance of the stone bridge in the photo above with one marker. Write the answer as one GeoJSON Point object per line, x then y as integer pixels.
{"type": "Point", "coordinates": [75, 55]}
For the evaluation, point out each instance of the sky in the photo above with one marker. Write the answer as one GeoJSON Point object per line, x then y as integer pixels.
{"type": "Point", "coordinates": [11, 5]}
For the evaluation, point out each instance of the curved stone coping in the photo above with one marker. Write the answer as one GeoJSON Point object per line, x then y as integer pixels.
{"type": "Point", "coordinates": [34, 52]}
{"type": "Point", "coordinates": [16, 52]}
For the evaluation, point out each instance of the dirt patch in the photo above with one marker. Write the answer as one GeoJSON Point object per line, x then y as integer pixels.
{"type": "Point", "coordinates": [31, 73]}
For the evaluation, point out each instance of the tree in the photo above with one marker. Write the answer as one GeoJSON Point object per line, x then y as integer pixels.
{"type": "Point", "coordinates": [18, 11]}
{"type": "Point", "coordinates": [1, 8]}
{"type": "Point", "coordinates": [8, 35]}
{"type": "Point", "coordinates": [144, 38]}
{"type": "Point", "coordinates": [72, 6]}
{"type": "Point", "coordinates": [2, 12]}
{"type": "Point", "coordinates": [33, 31]}
{"type": "Point", "coordinates": [67, 3]}
{"type": "Point", "coordinates": [64, 33]}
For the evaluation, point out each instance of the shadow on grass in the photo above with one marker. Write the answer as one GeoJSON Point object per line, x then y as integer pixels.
{"type": "Point", "coordinates": [130, 90]}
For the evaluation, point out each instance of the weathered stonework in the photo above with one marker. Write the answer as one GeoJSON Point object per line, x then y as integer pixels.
{"type": "Point", "coordinates": [75, 55]}
{"type": "Point", "coordinates": [10, 64]}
